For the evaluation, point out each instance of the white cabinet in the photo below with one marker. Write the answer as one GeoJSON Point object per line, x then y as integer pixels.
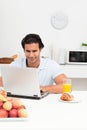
{"type": "Point", "coordinates": [75, 71]}
{"type": "Point", "coordinates": [78, 74]}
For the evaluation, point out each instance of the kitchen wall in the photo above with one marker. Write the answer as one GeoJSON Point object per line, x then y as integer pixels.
{"type": "Point", "coordinates": [20, 17]}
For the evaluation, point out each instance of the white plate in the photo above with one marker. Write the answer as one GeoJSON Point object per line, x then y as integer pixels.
{"type": "Point", "coordinates": [73, 101]}
{"type": "Point", "coordinates": [13, 119]}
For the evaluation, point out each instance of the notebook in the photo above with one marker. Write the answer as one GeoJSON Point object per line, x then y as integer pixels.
{"type": "Point", "coordinates": [21, 82]}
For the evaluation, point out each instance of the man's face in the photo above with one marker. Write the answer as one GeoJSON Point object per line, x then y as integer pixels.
{"type": "Point", "coordinates": [32, 53]}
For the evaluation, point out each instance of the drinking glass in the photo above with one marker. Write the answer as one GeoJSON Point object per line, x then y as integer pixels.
{"type": "Point", "coordinates": [67, 85]}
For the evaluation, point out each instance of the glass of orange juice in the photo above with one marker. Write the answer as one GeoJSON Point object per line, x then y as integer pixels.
{"type": "Point", "coordinates": [67, 85]}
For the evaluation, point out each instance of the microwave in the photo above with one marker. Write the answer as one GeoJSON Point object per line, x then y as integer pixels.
{"type": "Point", "coordinates": [76, 57]}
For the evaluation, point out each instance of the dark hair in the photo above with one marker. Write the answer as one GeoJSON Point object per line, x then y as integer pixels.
{"type": "Point", "coordinates": [32, 38]}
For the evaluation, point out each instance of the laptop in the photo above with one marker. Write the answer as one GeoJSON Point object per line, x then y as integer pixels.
{"type": "Point", "coordinates": [21, 82]}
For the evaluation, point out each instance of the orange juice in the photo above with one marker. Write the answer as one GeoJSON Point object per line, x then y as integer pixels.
{"type": "Point", "coordinates": [67, 87]}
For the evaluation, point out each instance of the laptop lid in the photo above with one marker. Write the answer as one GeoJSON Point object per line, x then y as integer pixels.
{"type": "Point", "coordinates": [21, 82]}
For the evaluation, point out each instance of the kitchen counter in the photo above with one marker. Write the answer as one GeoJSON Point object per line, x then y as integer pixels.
{"type": "Point", "coordinates": [51, 113]}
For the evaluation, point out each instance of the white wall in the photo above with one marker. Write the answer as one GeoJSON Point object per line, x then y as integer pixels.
{"type": "Point", "coordinates": [19, 17]}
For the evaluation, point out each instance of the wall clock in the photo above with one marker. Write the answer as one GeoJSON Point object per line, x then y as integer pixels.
{"type": "Point", "coordinates": [59, 20]}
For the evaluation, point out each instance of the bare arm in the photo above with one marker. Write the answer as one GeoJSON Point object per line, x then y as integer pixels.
{"type": "Point", "coordinates": [57, 87]}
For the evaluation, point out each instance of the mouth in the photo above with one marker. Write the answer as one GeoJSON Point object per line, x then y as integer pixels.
{"type": "Point", "coordinates": [31, 59]}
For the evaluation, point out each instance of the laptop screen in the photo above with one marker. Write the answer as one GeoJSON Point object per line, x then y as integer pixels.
{"type": "Point", "coordinates": [21, 81]}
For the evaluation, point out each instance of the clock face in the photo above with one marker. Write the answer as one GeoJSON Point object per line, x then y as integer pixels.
{"type": "Point", "coordinates": [59, 20]}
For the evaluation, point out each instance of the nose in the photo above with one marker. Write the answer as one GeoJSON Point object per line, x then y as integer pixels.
{"type": "Point", "coordinates": [31, 54]}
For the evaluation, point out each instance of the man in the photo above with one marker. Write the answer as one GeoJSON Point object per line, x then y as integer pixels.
{"type": "Point", "coordinates": [50, 75]}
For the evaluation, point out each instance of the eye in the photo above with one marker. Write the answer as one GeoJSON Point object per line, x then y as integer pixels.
{"type": "Point", "coordinates": [34, 50]}
{"type": "Point", "coordinates": [27, 51]}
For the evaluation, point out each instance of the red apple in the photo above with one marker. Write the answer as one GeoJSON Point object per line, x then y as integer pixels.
{"type": "Point", "coordinates": [16, 103]}
{"type": "Point", "coordinates": [13, 113]}
{"type": "Point", "coordinates": [3, 113]}
{"type": "Point", "coordinates": [20, 107]}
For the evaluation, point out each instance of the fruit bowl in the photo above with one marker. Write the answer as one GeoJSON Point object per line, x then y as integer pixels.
{"type": "Point", "coordinates": [13, 119]}
{"type": "Point", "coordinates": [12, 108]}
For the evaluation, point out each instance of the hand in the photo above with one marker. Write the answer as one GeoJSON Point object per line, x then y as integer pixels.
{"type": "Point", "coordinates": [43, 89]}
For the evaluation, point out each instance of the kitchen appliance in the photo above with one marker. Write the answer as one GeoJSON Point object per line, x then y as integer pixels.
{"type": "Point", "coordinates": [76, 57]}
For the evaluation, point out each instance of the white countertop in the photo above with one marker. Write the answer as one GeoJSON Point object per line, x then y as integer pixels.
{"type": "Point", "coordinates": [50, 113]}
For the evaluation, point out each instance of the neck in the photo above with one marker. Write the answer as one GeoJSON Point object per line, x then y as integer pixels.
{"type": "Point", "coordinates": [34, 65]}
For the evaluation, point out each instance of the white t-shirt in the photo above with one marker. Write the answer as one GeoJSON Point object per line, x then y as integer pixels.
{"type": "Point", "coordinates": [47, 70]}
